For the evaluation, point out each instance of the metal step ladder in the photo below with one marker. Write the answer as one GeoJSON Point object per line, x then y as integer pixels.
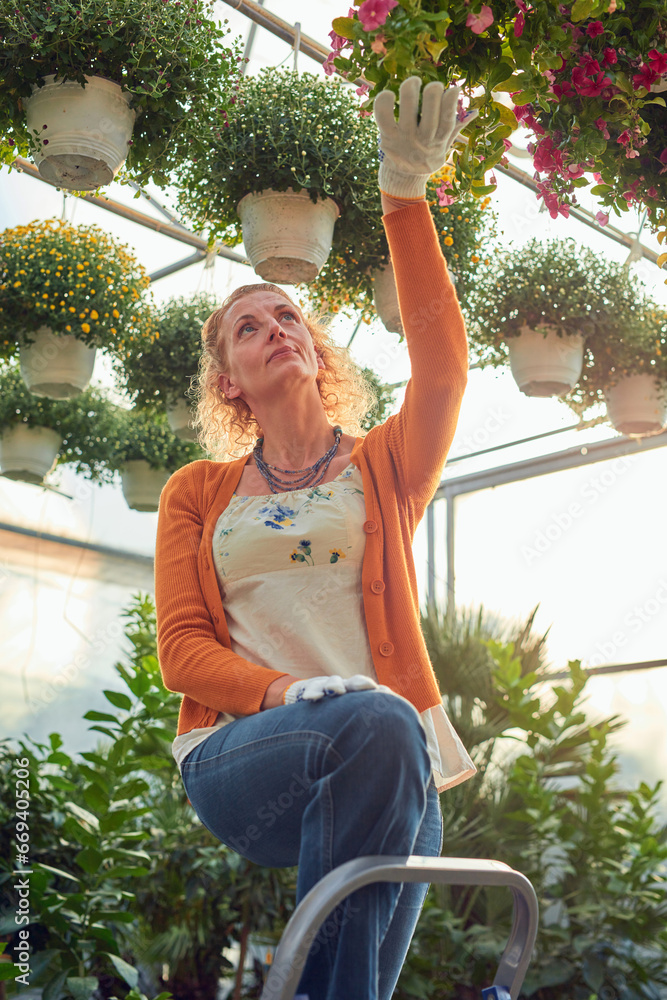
{"type": "Point", "coordinates": [291, 954]}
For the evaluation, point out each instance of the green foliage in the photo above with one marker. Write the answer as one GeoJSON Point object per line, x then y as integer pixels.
{"type": "Point", "coordinates": [168, 57]}
{"type": "Point", "coordinates": [72, 279]}
{"type": "Point", "coordinates": [160, 370]}
{"type": "Point", "coordinates": [146, 435]}
{"type": "Point", "coordinates": [546, 802]}
{"type": "Point", "coordinates": [285, 131]}
{"type": "Point", "coordinates": [384, 401]}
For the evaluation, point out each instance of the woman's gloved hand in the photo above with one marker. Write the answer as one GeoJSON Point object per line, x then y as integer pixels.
{"type": "Point", "coordinates": [316, 688]}
{"type": "Point", "coordinates": [414, 147]}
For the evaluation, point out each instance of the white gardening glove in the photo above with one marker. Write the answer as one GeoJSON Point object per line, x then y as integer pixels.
{"type": "Point", "coordinates": [414, 147]}
{"type": "Point", "coordinates": [316, 688]}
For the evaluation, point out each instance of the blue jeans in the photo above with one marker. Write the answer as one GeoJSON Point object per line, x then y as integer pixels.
{"type": "Point", "coordinates": [316, 784]}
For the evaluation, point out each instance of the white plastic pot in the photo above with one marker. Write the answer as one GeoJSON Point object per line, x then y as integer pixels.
{"type": "Point", "coordinates": [81, 134]}
{"type": "Point", "coordinates": [27, 453]}
{"type": "Point", "coordinates": [178, 416]}
{"type": "Point", "coordinates": [58, 366]}
{"type": "Point", "coordinates": [142, 485]}
{"type": "Point", "coordinates": [286, 236]}
{"type": "Point", "coordinates": [545, 365]}
{"type": "Point", "coordinates": [385, 298]}
{"type": "Point", "coordinates": [637, 405]}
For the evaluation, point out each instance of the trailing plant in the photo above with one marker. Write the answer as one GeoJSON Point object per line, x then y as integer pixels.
{"type": "Point", "coordinates": [285, 131]}
{"type": "Point", "coordinates": [141, 435]}
{"type": "Point", "coordinates": [168, 57]}
{"type": "Point", "coordinates": [74, 280]}
{"type": "Point", "coordinates": [159, 370]}
{"type": "Point", "coordinates": [545, 284]}
{"type": "Point", "coordinates": [385, 398]}
{"type": "Point", "coordinates": [466, 229]}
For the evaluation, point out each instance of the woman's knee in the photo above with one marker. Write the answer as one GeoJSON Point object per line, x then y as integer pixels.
{"type": "Point", "coordinates": [391, 728]}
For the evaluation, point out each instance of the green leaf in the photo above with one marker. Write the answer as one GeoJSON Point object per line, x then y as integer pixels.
{"type": "Point", "coordinates": [525, 97]}
{"type": "Point", "coordinates": [343, 26]}
{"type": "Point", "coordinates": [89, 859]}
{"type": "Point", "coordinates": [9, 971]}
{"type": "Point", "coordinates": [59, 758]}
{"type": "Point", "coordinates": [96, 798]}
{"type": "Point", "coordinates": [581, 9]}
{"type": "Point", "coordinates": [53, 990]}
{"type": "Point", "coordinates": [130, 789]}
{"type": "Point", "coordinates": [83, 816]}
{"type": "Point", "coordinates": [126, 871]}
{"type": "Point", "coordinates": [118, 699]}
{"type": "Point", "coordinates": [498, 75]}
{"type": "Point", "coordinates": [56, 871]}
{"type": "Point", "coordinates": [82, 987]}
{"type": "Point", "coordinates": [125, 971]}
{"type": "Point", "coordinates": [99, 717]}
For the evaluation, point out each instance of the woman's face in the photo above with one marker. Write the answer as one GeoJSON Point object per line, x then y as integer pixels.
{"type": "Point", "coordinates": [268, 347]}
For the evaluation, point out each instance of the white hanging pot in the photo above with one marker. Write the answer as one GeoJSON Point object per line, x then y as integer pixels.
{"type": "Point", "coordinates": [286, 236]}
{"type": "Point", "coordinates": [637, 405]}
{"type": "Point", "coordinates": [385, 298]}
{"type": "Point", "coordinates": [142, 485]}
{"type": "Point", "coordinates": [58, 366]}
{"type": "Point", "coordinates": [179, 416]}
{"type": "Point", "coordinates": [27, 453]}
{"type": "Point", "coordinates": [81, 134]}
{"type": "Point", "coordinates": [546, 365]}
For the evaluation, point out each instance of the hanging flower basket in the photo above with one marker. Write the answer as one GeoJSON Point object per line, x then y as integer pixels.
{"type": "Point", "coordinates": [81, 134]}
{"type": "Point", "coordinates": [28, 454]}
{"type": "Point", "coordinates": [385, 298]}
{"type": "Point", "coordinates": [286, 235]}
{"type": "Point", "coordinates": [56, 366]}
{"type": "Point", "coordinates": [142, 485]}
{"type": "Point", "coordinates": [179, 415]}
{"type": "Point", "coordinates": [637, 405]}
{"type": "Point", "coordinates": [545, 364]}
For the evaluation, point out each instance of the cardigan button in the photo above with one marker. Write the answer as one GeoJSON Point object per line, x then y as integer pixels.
{"type": "Point", "coordinates": [386, 648]}
{"type": "Point", "coordinates": [370, 526]}
{"type": "Point", "coordinates": [377, 586]}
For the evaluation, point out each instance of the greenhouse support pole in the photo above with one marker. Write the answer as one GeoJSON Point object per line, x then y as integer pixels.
{"type": "Point", "coordinates": [430, 556]}
{"type": "Point", "coordinates": [451, 585]}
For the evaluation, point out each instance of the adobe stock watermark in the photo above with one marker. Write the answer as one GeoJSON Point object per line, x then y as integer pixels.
{"type": "Point", "coordinates": [560, 522]}
{"type": "Point", "coordinates": [22, 868]}
{"type": "Point", "coordinates": [478, 439]}
{"type": "Point", "coordinates": [640, 615]}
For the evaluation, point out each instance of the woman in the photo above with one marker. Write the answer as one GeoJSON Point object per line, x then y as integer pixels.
{"type": "Point", "coordinates": [285, 587]}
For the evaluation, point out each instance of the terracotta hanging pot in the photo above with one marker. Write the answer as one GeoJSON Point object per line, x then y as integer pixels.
{"type": "Point", "coordinates": [637, 405]}
{"type": "Point", "coordinates": [142, 485]}
{"type": "Point", "coordinates": [545, 365]}
{"type": "Point", "coordinates": [28, 454]}
{"type": "Point", "coordinates": [81, 133]}
{"type": "Point", "coordinates": [385, 298]}
{"type": "Point", "coordinates": [286, 235]}
{"type": "Point", "coordinates": [57, 366]}
{"type": "Point", "coordinates": [179, 416]}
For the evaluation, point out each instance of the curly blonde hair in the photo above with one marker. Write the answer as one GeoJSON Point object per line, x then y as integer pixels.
{"type": "Point", "coordinates": [227, 428]}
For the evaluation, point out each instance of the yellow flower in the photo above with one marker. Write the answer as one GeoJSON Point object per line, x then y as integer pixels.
{"type": "Point", "coordinates": [448, 241]}
{"type": "Point", "coordinates": [94, 314]}
{"type": "Point", "coordinates": [72, 309]}
{"type": "Point", "coordinates": [85, 327]}
{"type": "Point", "coordinates": [115, 314]}
{"type": "Point", "coordinates": [17, 284]}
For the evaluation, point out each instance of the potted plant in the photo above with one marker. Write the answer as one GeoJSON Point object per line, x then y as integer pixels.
{"type": "Point", "coordinates": [297, 147]}
{"type": "Point", "coordinates": [626, 368]}
{"type": "Point", "coordinates": [361, 278]}
{"type": "Point", "coordinates": [159, 370]}
{"type": "Point", "coordinates": [85, 85]}
{"type": "Point", "coordinates": [472, 44]}
{"type": "Point", "coordinates": [146, 452]}
{"type": "Point", "coordinates": [536, 309]}
{"type": "Point", "coordinates": [66, 291]}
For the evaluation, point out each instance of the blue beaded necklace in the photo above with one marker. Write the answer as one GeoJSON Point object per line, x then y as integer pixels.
{"type": "Point", "coordinates": [307, 477]}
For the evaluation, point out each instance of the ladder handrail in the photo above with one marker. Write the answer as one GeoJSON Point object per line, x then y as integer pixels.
{"type": "Point", "coordinates": [302, 928]}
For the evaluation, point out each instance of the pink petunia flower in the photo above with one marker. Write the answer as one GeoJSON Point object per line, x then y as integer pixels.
{"type": "Point", "coordinates": [443, 197]}
{"type": "Point", "coordinates": [480, 22]}
{"type": "Point", "coordinates": [594, 29]}
{"type": "Point", "coordinates": [658, 61]}
{"type": "Point", "coordinates": [519, 24]}
{"type": "Point", "coordinates": [601, 218]}
{"type": "Point", "coordinates": [644, 78]}
{"type": "Point", "coordinates": [588, 79]}
{"type": "Point", "coordinates": [363, 89]}
{"type": "Point", "coordinates": [328, 65]}
{"type": "Point", "coordinates": [378, 46]}
{"type": "Point", "coordinates": [337, 41]}
{"type": "Point", "coordinates": [602, 125]}
{"type": "Point", "coordinates": [609, 57]}
{"type": "Point", "coordinates": [652, 192]}
{"type": "Point", "coordinates": [373, 13]}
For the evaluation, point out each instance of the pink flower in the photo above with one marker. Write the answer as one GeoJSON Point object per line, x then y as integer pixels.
{"type": "Point", "coordinates": [594, 29]}
{"type": "Point", "coordinates": [630, 154]}
{"type": "Point", "coordinates": [602, 125]}
{"type": "Point", "coordinates": [588, 78]}
{"type": "Point", "coordinates": [663, 157]}
{"type": "Point", "coordinates": [652, 192]}
{"type": "Point", "coordinates": [373, 13]}
{"type": "Point", "coordinates": [563, 89]}
{"type": "Point", "coordinates": [575, 170]}
{"type": "Point", "coordinates": [480, 22]}
{"type": "Point", "coordinates": [609, 57]}
{"type": "Point", "coordinates": [601, 218]}
{"type": "Point", "coordinates": [644, 78]}
{"type": "Point", "coordinates": [363, 89]}
{"type": "Point", "coordinates": [612, 7]}
{"type": "Point", "coordinates": [378, 46]}
{"type": "Point", "coordinates": [443, 197]}
{"type": "Point", "coordinates": [598, 178]}
{"type": "Point", "coordinates": [337, 41]}
{"type": "Point", "coordinates": [328, 65]}
{"type": "Point", "coordinates": [519, 24]}
{"type": "Point", "coordinates": [658, 61]}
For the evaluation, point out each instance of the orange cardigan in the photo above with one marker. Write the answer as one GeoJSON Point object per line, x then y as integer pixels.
{"type": "Point", "coordinates": [401, 464]}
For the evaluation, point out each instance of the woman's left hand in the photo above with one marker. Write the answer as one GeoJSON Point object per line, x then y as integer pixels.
{"type": "Point", "coordinates": [416, 146]}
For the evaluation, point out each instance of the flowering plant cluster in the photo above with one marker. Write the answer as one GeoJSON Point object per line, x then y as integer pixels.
{"type": "Point", "coordinates": [159, 370]}
{"type": "Point", "coordinates": [73, 279]}
{"type": "Point", "coordinates": [466, 229]}
{"type": "Point", "coordinates": [599, 114]}
{"type": "Point", "coordinates": [146, 435]}
{"type": "Point", "coordinates": [466, 42]}
{"type": "Point", "coordinates": [168, 55]}
{"type": "Point", "coordinates": [284, 131]}
{"type": "Point", "coordinates": [542, 284]}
